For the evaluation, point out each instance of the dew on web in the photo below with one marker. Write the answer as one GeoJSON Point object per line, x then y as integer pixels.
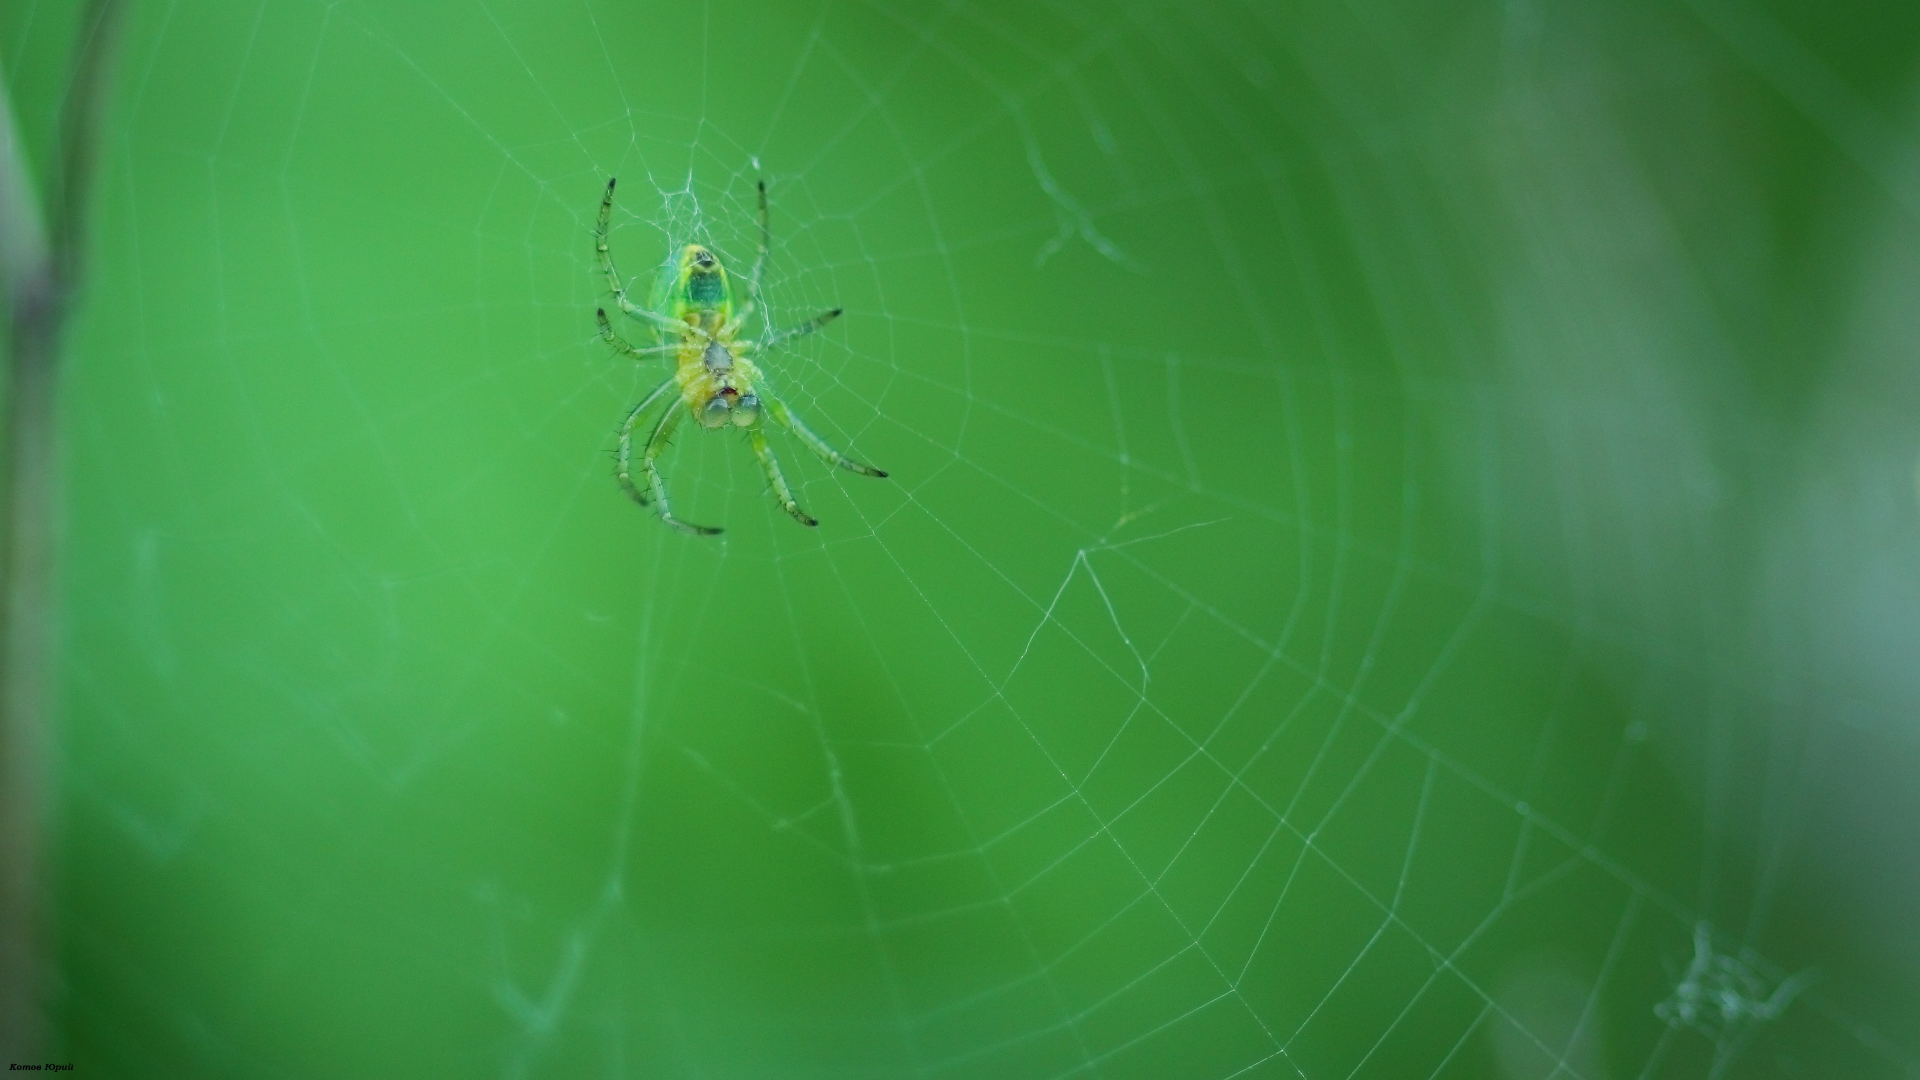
{"type": "Point", "coordinates": [1720, 993]}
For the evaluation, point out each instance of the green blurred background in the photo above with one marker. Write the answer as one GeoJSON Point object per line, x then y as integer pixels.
{"type": "Point", "coordinates": [1401, 514]}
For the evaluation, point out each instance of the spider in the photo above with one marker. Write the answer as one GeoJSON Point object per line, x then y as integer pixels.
{"type": "Point", "coordinates": [698, 313]}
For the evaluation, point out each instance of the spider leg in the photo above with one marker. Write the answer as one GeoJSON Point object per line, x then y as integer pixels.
{"type": "Point", "coordinates": [802, 330]}
{"type": "Point", "coordinates": [626, 347]}
{"type": "Point", "coordinates": [626, 438]}
{"type": "Point", "coordinates": [655, 495]}
{"type": "Point", "coordinates": [788, 419]}
{"type": "Point", "coordinates": [779, 483]}
{"type": "Point", "coordinates": [604, 256]}
{"type": "Point", "coordinates": [766, 242]}
{"type": "Point", "coordinates": [759, 266]}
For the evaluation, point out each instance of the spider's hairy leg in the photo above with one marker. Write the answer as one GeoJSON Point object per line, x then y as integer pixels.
{"type": "Point", "coordinates": [620, 343]}
{"type": "Point", "coordinates": [778, 482]}
{"type": "Point", "coordinates": [766, 241]}
{"type": "Point", "coordinates": [759, 264]}
{"type": "Point", "coordinates": [802, 330]}
{"type": "Point", "coordinates": [626, 437]}
{"type": "Point", "coordinates": [790, 420]}
{"type": "Point", "coordinates": [604, 256]}
{"type": "Point", "coordinates": [655, 496]}
{"type": "Point", "coordinates": [657, 488]}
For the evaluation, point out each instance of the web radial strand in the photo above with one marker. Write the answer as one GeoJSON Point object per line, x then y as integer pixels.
{"type": "Point", "coordinates": [1291, 689]}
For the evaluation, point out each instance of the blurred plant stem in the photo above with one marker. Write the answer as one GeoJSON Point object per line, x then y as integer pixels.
{"type": "Point", "coordinates": [41, 246]}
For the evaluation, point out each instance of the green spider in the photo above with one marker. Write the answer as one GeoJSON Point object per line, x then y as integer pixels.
{"type": "Point", "coordinates": [692, 309]}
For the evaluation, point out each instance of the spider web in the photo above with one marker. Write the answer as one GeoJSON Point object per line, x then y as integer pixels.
{"type": "Point", "coordinates": [1314, 627]}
